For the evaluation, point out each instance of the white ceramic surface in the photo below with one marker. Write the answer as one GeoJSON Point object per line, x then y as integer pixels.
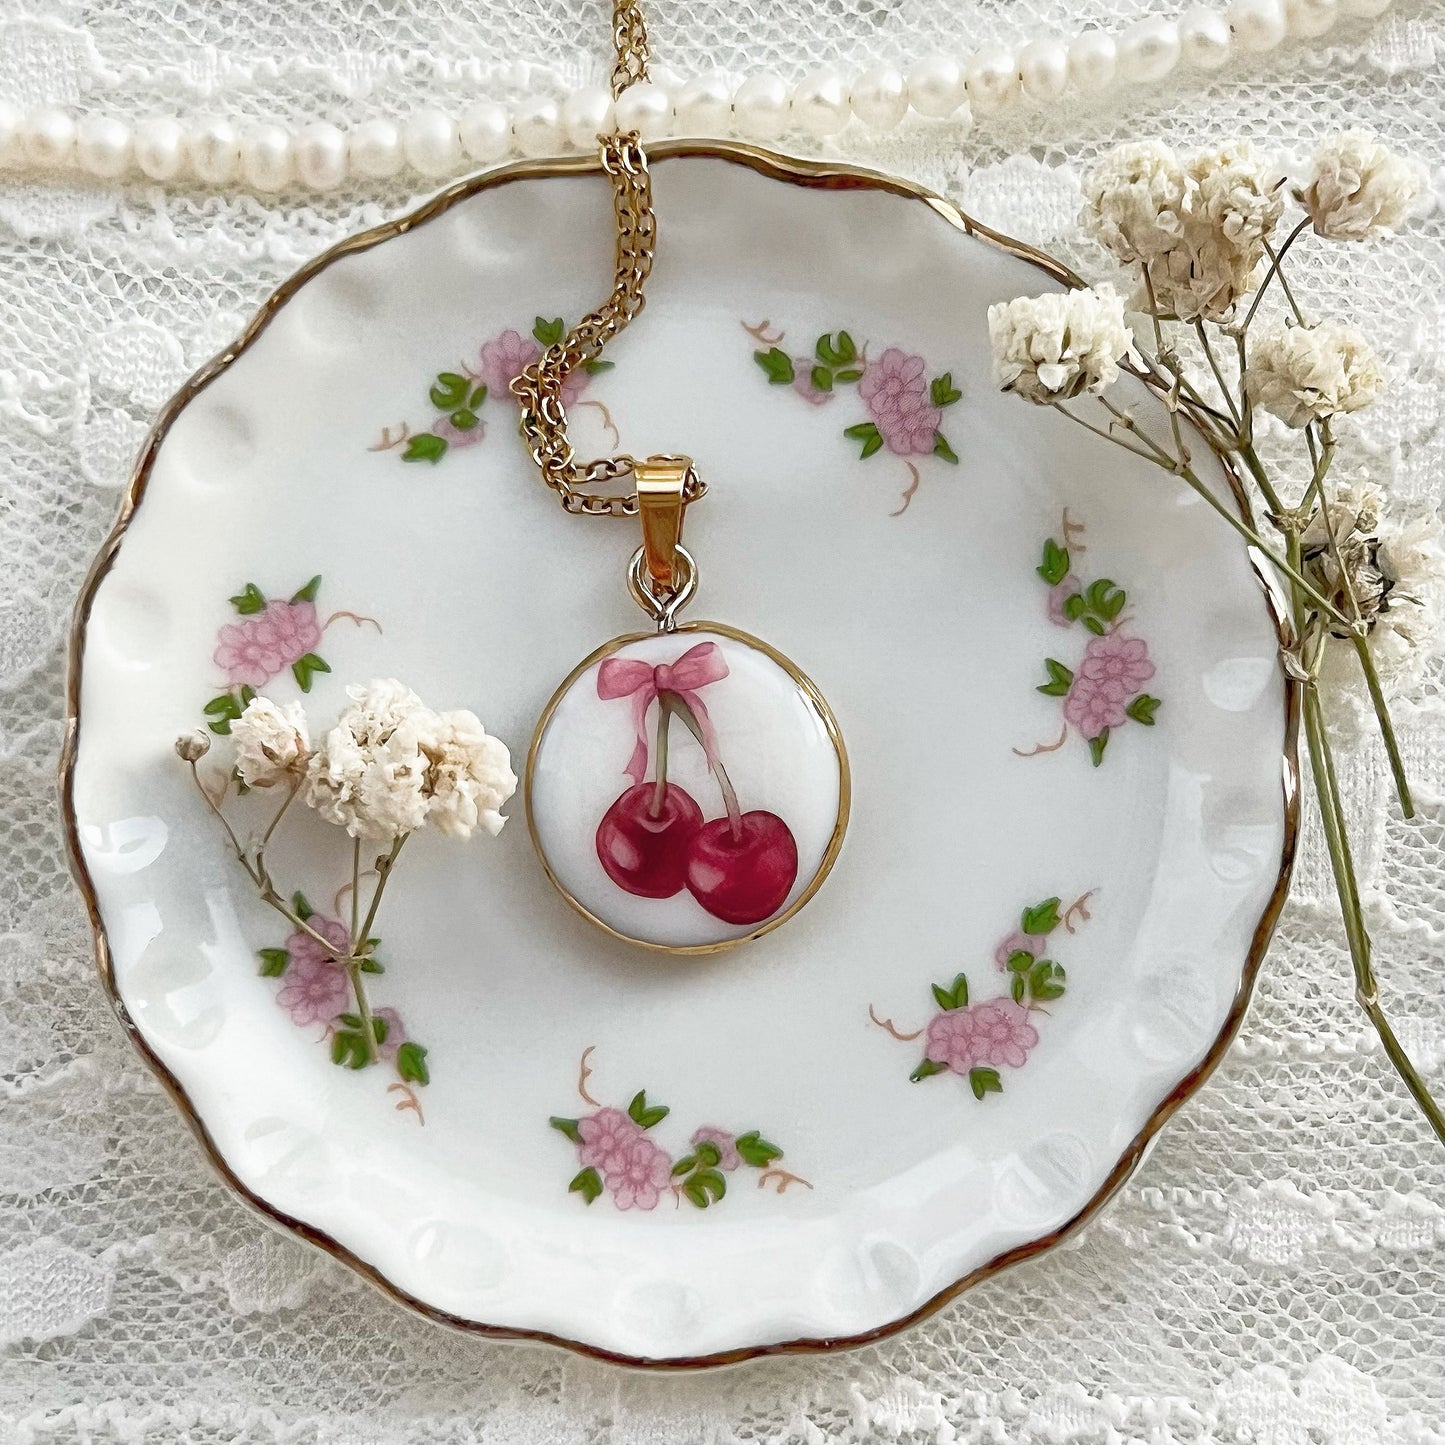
{"type": "Point", "coordinates": [905, 582]}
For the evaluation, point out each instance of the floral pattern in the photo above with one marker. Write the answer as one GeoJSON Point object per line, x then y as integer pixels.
{"type": "Point", "coordinates": [1105, 687]}
{"type": "Point", "coordinates": [270, 636]}
{"type": "Point", "coordinates": [904, 405]}
{"type": "Point", "coordinates": [316, 990]}
{"type": "Point", "coordinates": [458, 397]}
{"type": "Point", "coordinates": [620, 1157]}
{"type": "Point", "coordinates": [977, 1040]}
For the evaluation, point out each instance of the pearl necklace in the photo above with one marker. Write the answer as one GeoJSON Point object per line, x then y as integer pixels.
{"type": "Point", "coordinates": [763, 107]}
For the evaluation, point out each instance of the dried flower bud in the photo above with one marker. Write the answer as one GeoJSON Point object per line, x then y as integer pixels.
{"type": "Point", "coordinates": [192, 747]}
{"type": "Point", "coordinates": [1358, 188]}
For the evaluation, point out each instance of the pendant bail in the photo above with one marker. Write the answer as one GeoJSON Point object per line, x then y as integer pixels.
{"type": "Point", "coordinates": [661, 486]}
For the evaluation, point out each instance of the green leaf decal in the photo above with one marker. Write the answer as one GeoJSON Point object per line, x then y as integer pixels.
{"type": "Point", "coordinates": [1060, 679]}
{"type": "Point", "coordinates": [549, 333]}
{"type": "Point", "coordinates": [304, 668]}
{"type": "Point", "coordinates": [371, 965]}
{"type": "Point", "coordinates": [411, 1063]}
{"type": "Point", "coordinates": [222, 711]}
{"type": "Point", "coordinates": [1097, 746]}
{"type": "Point", "coordinates": [1075, 606]}
{"type": "Point", "coordinates": [709, 1154]}
{"type": "Point", "coordinates": [1020, 961]}
{"type": "Point", "coordinates": [1055, 565]}
{"type": "Point", "coordinates": [687, 1162]}
{"type": "Point", "coordinates": [309, 591]}
{"type": "Point", "coordinates": [273, 962]}
{"type": "Point", "coordinates": [927, 1069]}
{"type": "Point", "coordinates": [984, 1081]}
{"type": "Point", "coordinates": [849, 374]}
{"type": "Point", "coordinates": [596, 366]}
{"type": "Point", "coordinates": [380, 1028]}
{"type": "Point", "coordinates": [821, 378]}
{"type": "Point", "coordinates": [942, 449]}
{"type": "Point", "coordinates": [1094, 625]}
{"type": "Point", "coordinates": [449, 391]}
{"type": "Point", "coordinates": [300, 907]}
{"type": "Point", "coordinates": [478, 396]}
{"type": "Point", "coordinates": [1143, 708]}
{"type": "Point", "coordinates": [710, 1181]}
{"type": "Point", "coordinates": [348, 1049]}
{"type": "Point", "coordinates": [1016, 988]}
{"type": "Point", "coordinates": [943, 997]}
{"type": "Point", "coordinates": [567, 1127]}
{"type": "Point", "coordinates": [645, 1114]}
{"type": "Point", "coordinates": [425, 446]}
{"type": "Point", "coordinates": [755, 1150]}
{"type": "Point", "coordinates": [587, 1184]}
{"type": "Point", "coordinates": [866, 432]}
{"type": "Point", "coordinates": [1046, 980]}
{"type": "Point", "coordinates": [249, 601]}
{"type": "Point", "coordinates": [1041, 918]}
{"type": "Point", "coordinates": [464, 419]}
{"type": "Point", "coordinates": [777, 364]}
{"type": "Point", "coordinates": [941, 390]}
{"type": "Point", "coordinates": [695, 1193]}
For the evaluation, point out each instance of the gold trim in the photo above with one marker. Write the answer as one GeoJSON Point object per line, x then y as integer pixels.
{"type": "Point", "coordinates": [806, 686]}
{"type": "Point", "coordinates": [824, 175]}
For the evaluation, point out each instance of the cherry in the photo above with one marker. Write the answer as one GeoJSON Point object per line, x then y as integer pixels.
{"type": "Point", "coordinates": [742, 873]}
{"type": "Point", "coordinates": [645, 852]}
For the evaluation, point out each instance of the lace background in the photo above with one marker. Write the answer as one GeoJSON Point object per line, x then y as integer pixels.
{"type": "Point", "coordinates": [1273, 1272]}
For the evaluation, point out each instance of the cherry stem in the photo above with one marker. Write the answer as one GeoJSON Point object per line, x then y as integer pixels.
{"type": "Point", "coordinates": [659, 788]}
{"type": "Point", "coordinates": [673, 702]}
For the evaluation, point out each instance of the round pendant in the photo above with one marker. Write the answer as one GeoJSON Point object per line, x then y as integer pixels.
{"type": "Point", "coordinates": [687, 790]}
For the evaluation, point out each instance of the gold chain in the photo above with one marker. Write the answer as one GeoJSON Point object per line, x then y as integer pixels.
{"type": "Point", "coordinates": [539, 388]}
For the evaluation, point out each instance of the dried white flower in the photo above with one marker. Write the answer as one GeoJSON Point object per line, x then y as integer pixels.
{"type": "Point", "coordinates": [369, 774]}
{"type": "Point", "coordinates": [1135, 201]}
{"type": "Point", "coordinates": [1358, 188]}
{"type": "Point", "coordinates": [272, 743]}
{"type": "Point", "coordinates": [1304, 373]}
{"type": "Point", "coordinates": [1053, 347]}
{"type": "Point", "coordinates": [469, 775]}
{"type": "Point", "coordinates": [1395, 561]}
{"type": "Point", "coordinates": [1198, 230]}
{"type": "Point", "coordinates": [193, 746]}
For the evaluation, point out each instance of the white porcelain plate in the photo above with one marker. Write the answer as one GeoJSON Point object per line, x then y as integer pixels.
{"type": "Point", "coordinates": [1053, 668]}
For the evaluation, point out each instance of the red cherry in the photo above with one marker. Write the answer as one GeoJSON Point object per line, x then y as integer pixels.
{"type": "Point", "coordinates": [742, 876]}
{"type": "Point", "coordinates": [643, 853]}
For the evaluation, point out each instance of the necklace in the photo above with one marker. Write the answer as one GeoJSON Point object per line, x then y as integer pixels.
{"type": "Point", "coordinates": [737, 800]}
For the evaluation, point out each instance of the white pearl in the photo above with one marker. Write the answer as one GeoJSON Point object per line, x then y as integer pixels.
{"type": "Point", "coordinates": [376, 150]}
{"type": "Point", "coordinates": [645, 108]}
{"type": "Point", "coordinates": [992, 78]}
{"type": "Point", "coordinates": [586, 114]}
{"type": "Point", "coordinates": [102, 146]}
{"type": "Point", "coordinates": [1365, 9]}
{"type": "Point", "coordinates": [1093, 59]}
{"type": "Point", "coordinates": [215, 151]}
{"type": "Point", "coordinates": [760, 107]}
{"type": "Point", "coordinates": [1044, 68]}
{"type": "Point", "coordinates": [321, 156]}
{"type": "Point", "coordinates": [1204, 38]}
{"type": "Point", "coordinates": [537, 126]}
{"type": "Point", "coordinates": [160, 148]}
{"type": "Point", "coordinates": [1308, 18]}
{"type": "Point", "coordinates": [10, 119]}
{"type": "Point", "coordinates": [820, 103]}
{"type": "Point", "coordinates": [433, 147]}
{"type": "Point", "coordinates": [1148, 51]}
{"type": "Point", "coordinates": [936, 86]}
{"type": "Point", "coordinates": [1258, 25]}
{"type": "Point", "coordinates": [879, 97]}
{"type": "Point", "coordinates": [704, 106]}
{"type": "Point", "coordinates": [266, 157]}
{"type": "Point", "coordinates": [485, 131]}
{"type": "Point", "coordinates": [47, 138]}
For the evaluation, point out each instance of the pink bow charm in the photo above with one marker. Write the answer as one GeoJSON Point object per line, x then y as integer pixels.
{"type": "Point", "coordinates": [631, 677]}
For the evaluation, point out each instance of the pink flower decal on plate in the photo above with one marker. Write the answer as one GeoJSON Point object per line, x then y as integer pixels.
{"type": "Point", "coordinates": [316, 989]}
{"type": "Point", "coordinates": [1105, 688]}
{"type": "Point", "coordinates": [458, 397]}
{"type": "Point", "coordinates": [977, 1039]}
{"type": "Point", "coordinates": [904, 405]}
{"type": "Point", "coordinates": [620, 1157]}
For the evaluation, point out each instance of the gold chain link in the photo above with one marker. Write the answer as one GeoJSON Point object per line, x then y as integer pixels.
{"type": "Point", "coordinates": [539, 388]}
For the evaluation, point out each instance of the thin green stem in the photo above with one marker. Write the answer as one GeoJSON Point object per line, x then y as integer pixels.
{"type": "Point", "coordinates": [1109, 436]}
{"type": "Point", "coordinates": [1276, 261]}
{"type": "Point", "coordinates": [725, 787]}
{"type": "Point", "coordinates": [1284, 280]}
{"type": "Point", "coordinates": [1203, 333]}
{"type": "Point", "coordinates": [659, 761]}
{"type": "Point", "coordinates": [1181, 452]}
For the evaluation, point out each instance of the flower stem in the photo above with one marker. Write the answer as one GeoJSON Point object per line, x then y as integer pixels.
{"type": "Point", "coordinates": [353, 957]}
{"type": "Point", "coordinates": [1276, 260]}
{"type": "Point", "coordinates": [1203, 332]}
{"type": "Point", "coordinates": [659, 761]}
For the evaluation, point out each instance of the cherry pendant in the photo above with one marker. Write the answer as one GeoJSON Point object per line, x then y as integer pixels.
{"type": "Point", "coordinates": [687, 789]}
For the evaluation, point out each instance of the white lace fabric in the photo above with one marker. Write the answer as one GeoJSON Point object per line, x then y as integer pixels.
{"type": "Point", "coordinates": [1273, 1273]}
